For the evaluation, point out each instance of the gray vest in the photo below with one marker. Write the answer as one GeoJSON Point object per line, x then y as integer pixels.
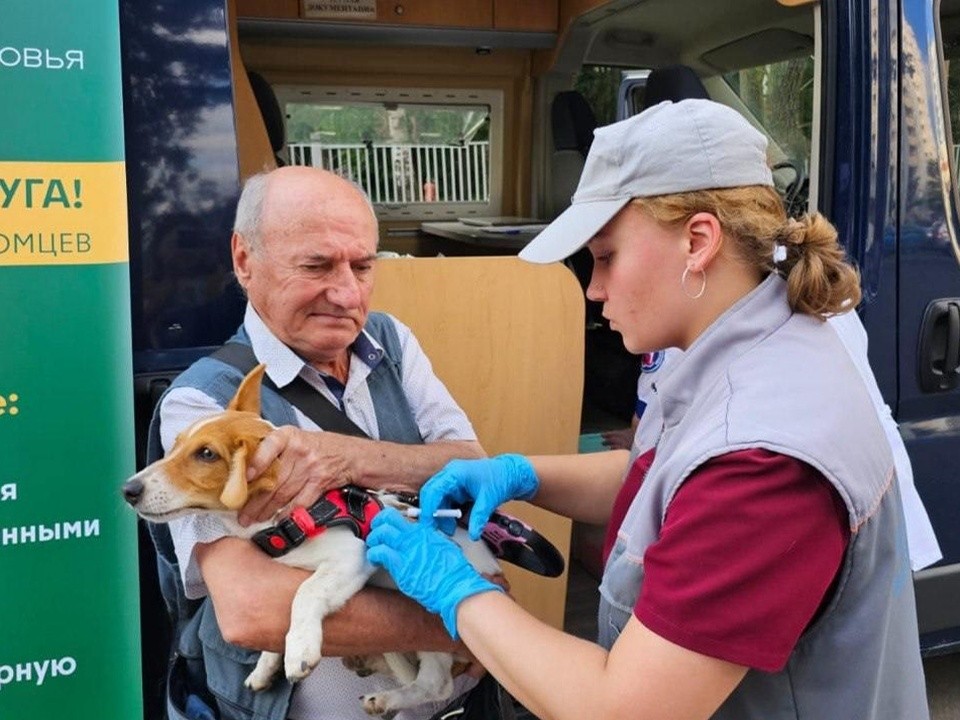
{"type": "Point", "coordinates": [764, 377]}
{"type": "Point", "coordinates": [204, 662]}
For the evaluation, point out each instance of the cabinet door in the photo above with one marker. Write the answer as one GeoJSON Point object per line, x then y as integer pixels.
{"type": "Point", "coordinates": [530, 15]}
{"type": "Point", "coordinates": [463, 13]}
{"type": "Point", "coordinates": [268, 8]}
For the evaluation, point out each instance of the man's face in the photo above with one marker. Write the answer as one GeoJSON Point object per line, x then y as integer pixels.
{"type": "Point", "coordinates": [311, 277]}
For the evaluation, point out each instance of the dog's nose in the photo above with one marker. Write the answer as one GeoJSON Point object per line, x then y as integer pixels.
{"type": "Point", "coordinates": [132, 490]}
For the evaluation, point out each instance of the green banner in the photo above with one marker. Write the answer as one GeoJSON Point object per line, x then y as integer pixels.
{"type": "Point", "coordinates": [69, 620]}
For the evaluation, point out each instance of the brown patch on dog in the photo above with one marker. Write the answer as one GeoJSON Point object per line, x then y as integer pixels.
{"type": "Point", "coordinates": [209, 459]}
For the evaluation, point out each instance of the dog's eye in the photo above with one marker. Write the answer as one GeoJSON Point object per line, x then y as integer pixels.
{"type": "Point", "coordinates": [205, 454]}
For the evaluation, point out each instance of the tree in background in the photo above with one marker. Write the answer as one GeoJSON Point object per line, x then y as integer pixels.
{"type": "Point", "coordinates": [599, 84]}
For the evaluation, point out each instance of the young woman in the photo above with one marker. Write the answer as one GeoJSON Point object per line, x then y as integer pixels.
{"type": "Point", "coordinates": [756, 560]}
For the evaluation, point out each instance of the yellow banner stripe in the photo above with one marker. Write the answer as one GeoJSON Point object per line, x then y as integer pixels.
{"type": "Point", "coordinates": [63, 213]}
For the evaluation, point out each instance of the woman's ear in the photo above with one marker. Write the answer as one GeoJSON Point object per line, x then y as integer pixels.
{"type": "Point", "coordinates": [705, 238]}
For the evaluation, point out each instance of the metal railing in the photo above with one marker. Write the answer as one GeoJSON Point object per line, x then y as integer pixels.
{"type": "Point", "coordinates": [400, 174]}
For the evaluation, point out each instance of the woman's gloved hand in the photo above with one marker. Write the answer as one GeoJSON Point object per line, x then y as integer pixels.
{"type": "Point", "coordinates": [488, 483]}
{"type": "Point", "coordinates": [425, 565]}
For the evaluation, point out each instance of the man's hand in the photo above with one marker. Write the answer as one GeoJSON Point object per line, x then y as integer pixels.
{"type": "Point", "coordinates": [618, 439]}
{"type": "Point", "coordinates": [309, 464]}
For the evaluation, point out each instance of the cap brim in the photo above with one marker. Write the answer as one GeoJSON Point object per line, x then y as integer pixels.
{"type": "Point", "coordinates": [572, 229]}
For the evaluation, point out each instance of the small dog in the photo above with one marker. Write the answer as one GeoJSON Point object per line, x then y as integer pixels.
{"type": "Point", "coordinates": [205, 471]}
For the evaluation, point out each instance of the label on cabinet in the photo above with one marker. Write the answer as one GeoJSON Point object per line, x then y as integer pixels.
{"type": "Point", "coordinates": [339, 9]}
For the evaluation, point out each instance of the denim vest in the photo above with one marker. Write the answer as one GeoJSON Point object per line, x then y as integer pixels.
{"type": "Point", "coordinates": [764, 377]}
{"type": "Point", "coordinates": [204, 663]}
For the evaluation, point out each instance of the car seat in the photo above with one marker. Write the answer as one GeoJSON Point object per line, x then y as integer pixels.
{"type": "Point", "coordinates": [271, 112]}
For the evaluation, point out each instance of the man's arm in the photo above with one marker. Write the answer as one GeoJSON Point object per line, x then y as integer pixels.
{"type": "Point", "coordinates": [252, 595]}
{"type": "Point", "coordinates": [311, 462]}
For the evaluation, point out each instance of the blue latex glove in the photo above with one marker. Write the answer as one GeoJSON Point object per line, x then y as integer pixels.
{"type": "Point", "coordinates": [425, 565]}
{"type": "Point", "coordinates": [488, 483]}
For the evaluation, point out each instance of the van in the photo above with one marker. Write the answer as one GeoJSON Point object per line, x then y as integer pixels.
{"type": "Point", "coordinates": [467, 124]}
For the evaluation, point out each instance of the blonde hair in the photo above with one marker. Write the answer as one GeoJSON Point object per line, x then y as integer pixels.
{"type": "Point", "coordinates": [820, 280]}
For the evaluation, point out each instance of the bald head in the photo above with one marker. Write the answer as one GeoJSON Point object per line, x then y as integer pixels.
{"type": "Point", "coordinates": [284, 198]}
{"type": "Point", "coordinates": [304, 251]}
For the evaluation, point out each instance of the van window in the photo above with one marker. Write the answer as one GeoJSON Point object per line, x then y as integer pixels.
{"type": "Point", "coordinates": [599, 85]}
{"type": "Point", "coordinates": [779, 95]}
{"type": "Point", "coordinates": [950, 44]}
{"type": "Point", "coordinates": [419, 154]}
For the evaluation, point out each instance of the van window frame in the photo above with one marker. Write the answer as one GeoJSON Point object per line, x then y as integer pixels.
{"type": "Point", "coordinates": [433, 211]}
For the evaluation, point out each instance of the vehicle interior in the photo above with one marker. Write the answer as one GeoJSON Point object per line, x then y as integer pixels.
{"type": "Point", "coordinates": [451, 116]}
{"type": "Point", "coordinates": [468, 123]}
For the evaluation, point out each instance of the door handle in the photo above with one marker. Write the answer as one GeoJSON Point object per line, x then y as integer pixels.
{"type": "Point", "coordinates": [940, 346]}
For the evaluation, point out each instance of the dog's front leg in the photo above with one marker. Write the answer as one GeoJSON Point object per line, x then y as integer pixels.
{"type": "Point", "coordinates": [341, 570]}
{"type": "Point", "coordinates": [268, 665]}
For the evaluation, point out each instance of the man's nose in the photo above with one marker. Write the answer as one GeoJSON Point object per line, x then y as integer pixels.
{"type": "Point", "coordinates": [345, 288]}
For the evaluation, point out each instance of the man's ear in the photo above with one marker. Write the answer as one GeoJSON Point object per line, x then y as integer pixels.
{"type": "Point", "coordinates": [247, 398]}
{"type": "Point", "coordinates": [705, 239]}
{"type": "Point", "coordinates": [241, 259]}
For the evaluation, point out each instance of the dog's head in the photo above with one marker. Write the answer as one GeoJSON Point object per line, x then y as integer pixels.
{"type": "Point", "coordinates": [206, 469]}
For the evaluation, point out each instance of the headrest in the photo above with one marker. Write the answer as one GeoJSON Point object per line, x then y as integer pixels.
{"type": "Point", "coordinates": [573, 122]}
{"type": "Point", "coordinates": [673, 83]}
{"type": "Point", "coordinates": [269, 109]}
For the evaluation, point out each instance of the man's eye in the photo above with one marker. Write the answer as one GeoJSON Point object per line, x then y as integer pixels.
{"type": "Point", "coordinates": [603, 259]}
{"type": "Point", "coordinates": [205, 454]}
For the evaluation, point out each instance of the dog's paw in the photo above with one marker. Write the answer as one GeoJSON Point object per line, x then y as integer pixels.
{"type": "Point", "coordinates": [258, 680]}
{"type": "Point", "coordinates": [376, 704]}
{"type": "Point", "coordinates": [268, 665]}
{"type": "Point", "coordinates": [301, 657]}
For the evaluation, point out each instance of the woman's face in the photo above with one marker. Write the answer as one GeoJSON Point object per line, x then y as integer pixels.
{"type": "Point", "coordinates": [637, 264]}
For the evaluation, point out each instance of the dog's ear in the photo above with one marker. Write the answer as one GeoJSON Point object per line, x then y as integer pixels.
{"type": "Point", "coordinates": [235, 492]}
{"type": "Point", "coordinates": [247, 398]}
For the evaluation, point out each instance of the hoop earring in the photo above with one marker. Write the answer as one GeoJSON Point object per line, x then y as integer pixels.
{"type": "Point", "coordinates": [703, 284]}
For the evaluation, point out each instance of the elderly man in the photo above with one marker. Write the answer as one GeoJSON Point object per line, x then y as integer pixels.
{"type": "Point", "coordinates": [304, 248]}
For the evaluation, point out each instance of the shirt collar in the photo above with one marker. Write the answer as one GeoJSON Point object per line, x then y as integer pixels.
{"type": "Point", "coordinates": [283, 364]}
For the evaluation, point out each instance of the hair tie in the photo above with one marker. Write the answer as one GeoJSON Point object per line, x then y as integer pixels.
{"type": "Point", "coordinates": [779, 253]}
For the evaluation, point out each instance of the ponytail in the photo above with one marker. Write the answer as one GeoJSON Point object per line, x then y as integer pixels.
{"type": "Point", "coordinates": [806, 253]}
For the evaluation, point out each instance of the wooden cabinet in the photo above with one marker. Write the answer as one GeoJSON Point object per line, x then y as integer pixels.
{"type": "Point", "coordinates": [287, 9]}
{"type": "Point", "coordinates": [526, 15]}
{"type": "Point", "coordinates": [519, 15]}
{"type": "Point", "coordinates": [462, 13]}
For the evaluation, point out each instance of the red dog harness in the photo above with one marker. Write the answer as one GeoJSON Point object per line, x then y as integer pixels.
{"type": "Point", "coordinates": [349, 506]}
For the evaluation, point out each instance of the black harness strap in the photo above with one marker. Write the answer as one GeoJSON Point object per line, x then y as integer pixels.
{"type": "Point", "coordinates": [348, 506]}
{"type": "Point", "coordinates": [298, 393]}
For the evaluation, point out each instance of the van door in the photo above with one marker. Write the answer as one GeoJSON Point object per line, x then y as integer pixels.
{"type": "Point", "coordinates": [928, 263]}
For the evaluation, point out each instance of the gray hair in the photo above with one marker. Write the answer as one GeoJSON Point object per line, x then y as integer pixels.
{"type": "Point", "coordinates": [246, 223]}
{"type": "Point", "coordinates": [250, 209]}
